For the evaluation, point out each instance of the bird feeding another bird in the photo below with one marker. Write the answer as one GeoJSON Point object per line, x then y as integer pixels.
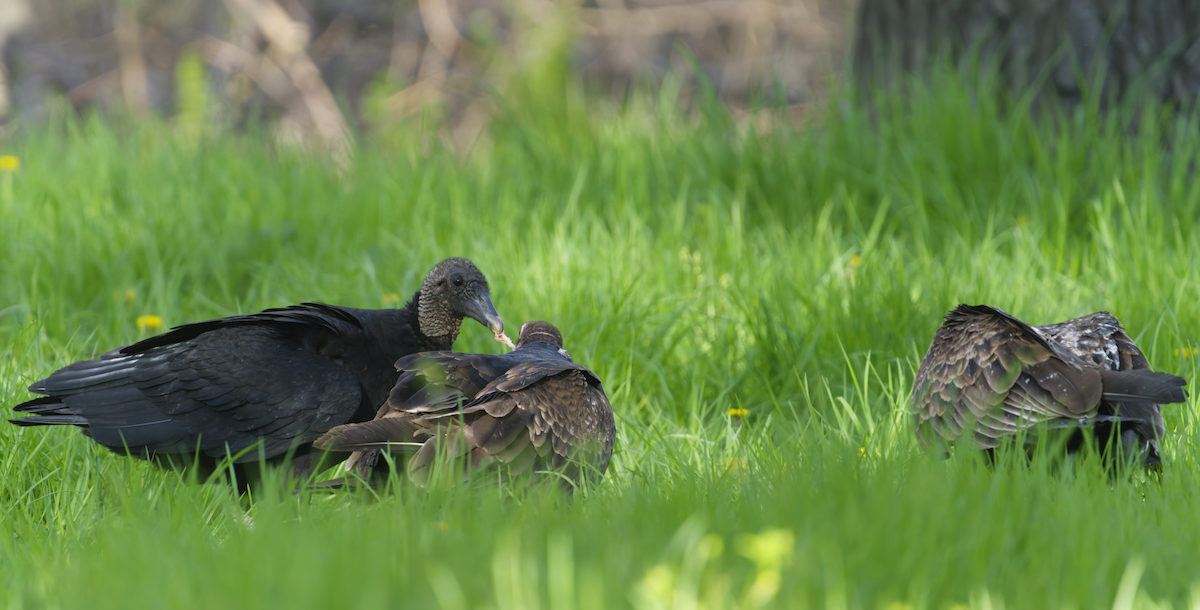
{"type": "Point", "coordinates": [262, 385]}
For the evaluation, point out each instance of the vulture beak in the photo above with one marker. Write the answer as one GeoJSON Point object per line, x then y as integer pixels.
{"type": "Point", "coordinates": [483, 311]}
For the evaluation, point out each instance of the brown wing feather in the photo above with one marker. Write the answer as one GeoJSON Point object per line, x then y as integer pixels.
{"type": "Point", "coordinates": [977, 356]}
{"type": "Point", "coordinates": [377, 433]}
{"type": "Point", "coordinates": [565, 417]}
{"type": "Point", "coordinates": [533, 415]}
{"type": "Point", "coordinates": [450, 447]}
{"type": "Point", "coordinates": [434, 381]}
{"type": "Point", "coordinates": [496, 438]}
{"type": "Point", "coordinates": [398, 433]}
{"type": "Point", "coordinates": [522, 375]}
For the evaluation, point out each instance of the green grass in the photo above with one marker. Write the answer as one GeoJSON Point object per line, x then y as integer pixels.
{"type": "Point", "coordinates": [698, 265]}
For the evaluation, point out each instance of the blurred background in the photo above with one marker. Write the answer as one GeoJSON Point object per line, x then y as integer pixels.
{"type": "Point", "coordinates": [322, 68]}
{"type": "Point", "coordinates": [319, 70]}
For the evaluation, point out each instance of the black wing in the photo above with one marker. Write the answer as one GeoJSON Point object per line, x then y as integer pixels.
{"type": "Point", "coordinates": [212, 387]}
{"type": "Point", "coordinates": [311, 315]}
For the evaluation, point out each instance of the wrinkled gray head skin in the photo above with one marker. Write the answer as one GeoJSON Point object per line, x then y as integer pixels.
{"type": "Point", "coordinates": [453, 290]}
{"type": "Point", "coordinates": [539, 331]}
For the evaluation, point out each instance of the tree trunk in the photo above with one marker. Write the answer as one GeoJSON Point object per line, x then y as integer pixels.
{"type": "Point", "coordinates": [1067, 46]}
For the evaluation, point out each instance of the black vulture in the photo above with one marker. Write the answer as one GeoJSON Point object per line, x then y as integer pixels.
{"type": "Point", "coordinates": [994, 375]}
{"type": "Point", "coordinates": [531, 411]}
{"type": "Point", "coordinates": [264, 384]}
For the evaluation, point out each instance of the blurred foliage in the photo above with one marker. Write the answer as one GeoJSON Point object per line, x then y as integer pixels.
{"type": "Point", "coordinates": [385, 61]}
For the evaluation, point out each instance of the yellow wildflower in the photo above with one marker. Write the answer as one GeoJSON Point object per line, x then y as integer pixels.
{"type": "Point", "coordinates": [763, 588]}
{"type": "Point", "coordinates": [735, 463]}
{"type": "Point", "coordinates": [862, 452]}
{"type": "Point", "coordinates": [442, 526]}
{"type": "Point", "coordinates": [9, 163]}
{"type": "Point", "coordinates": [739, 412]}
{"type": "Point", "coordinates": [658, 585]}
{"type": "Point", "coordinates": [855, 261]}
{"type": "Point", "coordinates": [1187, 352]}
{"type": "Point", "coordinates": [149, 322]}
{"type": "Point", "coordinates": [130, 296]}
{"type": "Point", "coordinates": [769, 550]}
{"type": "Point", "coordinates": [391, 299]}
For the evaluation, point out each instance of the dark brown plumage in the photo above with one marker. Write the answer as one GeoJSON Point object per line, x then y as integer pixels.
{"type": "Point", "coordinates": [531, 410]}
{"type": "Point", "coordinates": [274, 380]}
{"type": "Point", "coordinates": [992, 375]}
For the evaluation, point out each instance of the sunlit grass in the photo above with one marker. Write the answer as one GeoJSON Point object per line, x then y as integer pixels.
{"type": "Point", "coordinates": [756, 305]}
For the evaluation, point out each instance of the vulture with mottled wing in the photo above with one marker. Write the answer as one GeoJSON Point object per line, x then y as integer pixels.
{"type": "Point", "coordinates": [532, 410]}
{"type": "Point", "coordinates": [258, 384]}
{"type": "Point", "coordinates": [991, 375]}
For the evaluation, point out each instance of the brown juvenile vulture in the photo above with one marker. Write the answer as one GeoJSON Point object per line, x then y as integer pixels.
{"type": "Point", "coordinates": [532, 410]}
{"type": "Point", "coordinates": [993, 375]}
{"type": "Point", "coordinates": [269, 383]}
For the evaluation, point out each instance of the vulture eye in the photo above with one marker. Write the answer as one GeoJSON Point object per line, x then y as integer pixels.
{"type": "Point", "coordinates": [458, 281]}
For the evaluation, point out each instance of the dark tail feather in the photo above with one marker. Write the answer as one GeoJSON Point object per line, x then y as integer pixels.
{"type": "Point", "coordinates": [48, 411]}
{"type": "Point", "coordinates": [51, 420]}
{"type": "Point", "coordinates": [337, 483]}
{"type": "Point", "coordinates": [1143, 385]}
{"type": "Point", "coordinates": [389, 432]}
{"type": "Point", "coordinates": [44, 404]}
{"type": "Point", "coordinates": [390, 446]}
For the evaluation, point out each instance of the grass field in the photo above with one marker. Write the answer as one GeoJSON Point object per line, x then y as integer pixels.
{"type": "Point", "coordinates": [699, 265]}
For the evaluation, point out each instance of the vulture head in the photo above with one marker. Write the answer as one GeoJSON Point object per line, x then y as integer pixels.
{"type": "Point", "coordinates": [542, 331]}
{"type": "Point", "coordinates": [453, 290]}
{"type": "Point", "coordinates": [539, 331]}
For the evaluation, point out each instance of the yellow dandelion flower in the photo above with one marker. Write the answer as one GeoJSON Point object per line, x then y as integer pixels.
{"type": "Point", "coordinates": [391, 298]}
{"type": "Point", "coordinates": [855, 261]}
{"type": "Point", "coordinates": [130, 296]}
{"type": "Point", "coordinates": [658, 585]}
{"type": "Point", "coordinates": [149, 322]}
{"type": "Point", "coordinates": [770, 550]}
{"type": "Point", "coordinates": [9, 163]}
{"type": "Point", "coordinates": [862, 452]}
{"type": "Point", "coordinates": [739, 412]}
